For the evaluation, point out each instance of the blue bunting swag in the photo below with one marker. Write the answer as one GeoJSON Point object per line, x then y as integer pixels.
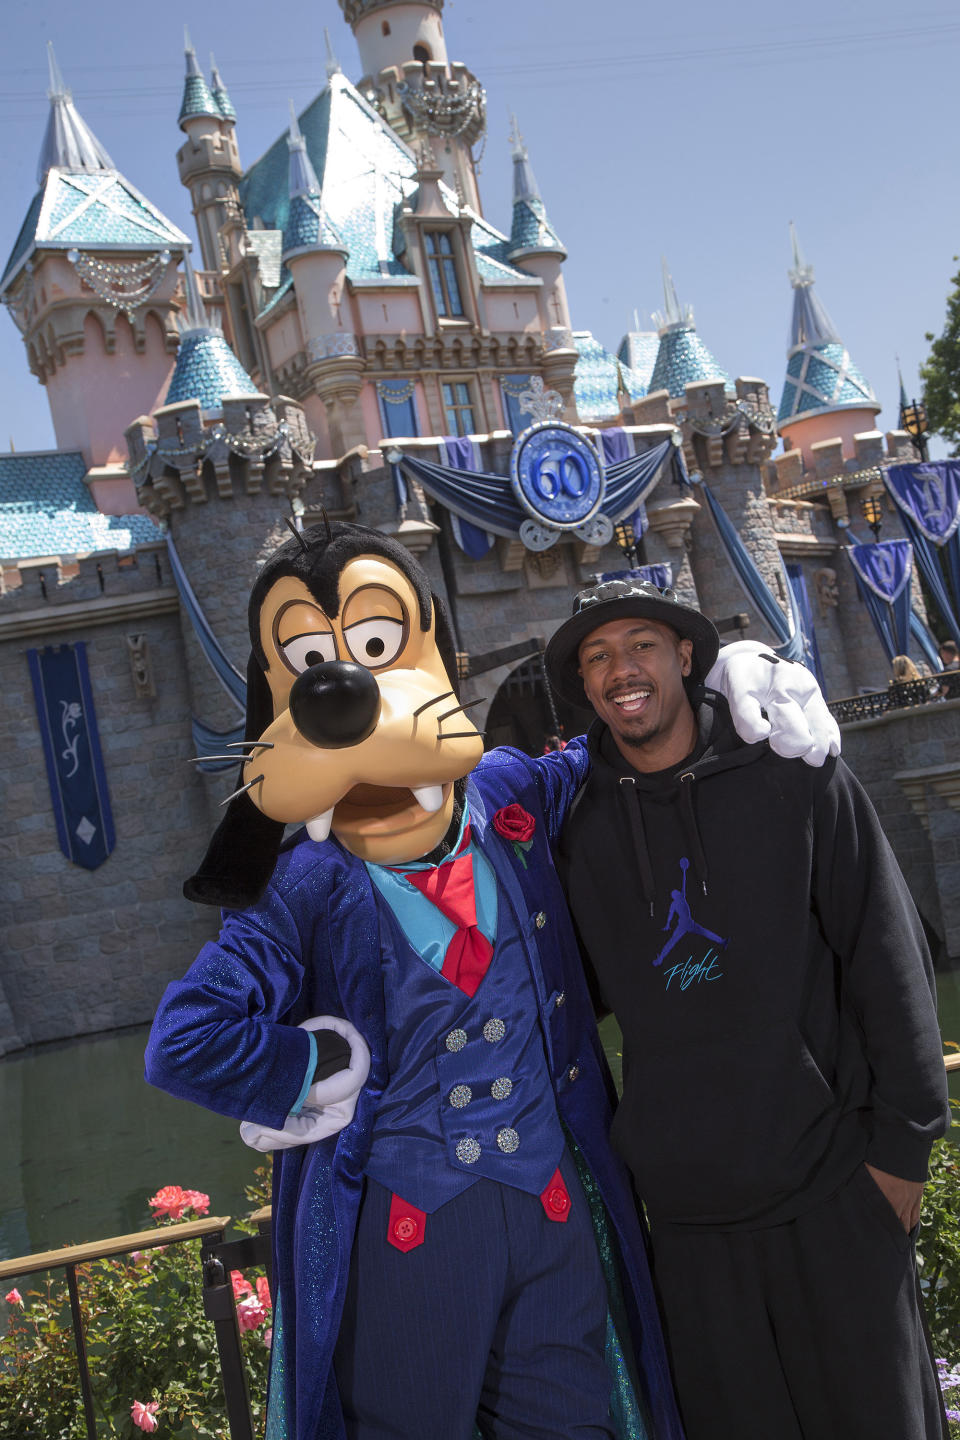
{"type": "Point", "coordinates": [883, 572]}
{"type": "Point", "coordinates": [71, 749]}
{"type": "Point", "coordinates": [928, 499]}
{"type": "Point", "coordinates": [487, 500]}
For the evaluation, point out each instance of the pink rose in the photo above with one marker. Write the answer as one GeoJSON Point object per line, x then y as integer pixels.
{"type": "Point", "coordinates": [144, 1415]}
{"type": "Point", "coordinates": [263, 1291]}
{"type": "Point", "coordinates": [268, 1337]}
{"type": "Point", "coordinates": [514, 823]}
{"type": "Point", "coordinates": [241, 1285]}
{"type": "Point", "coordinates": [196, 1201]}
{"type": "Point", "coordinates": [13, 1297]}
{"type": "Point", "coordinates": [169, 1200]}
{"type": "Point", "coordinates": [250, 1313]}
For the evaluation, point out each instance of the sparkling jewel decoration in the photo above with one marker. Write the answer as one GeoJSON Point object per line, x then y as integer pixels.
{"type": "Point", "coordinates": [501, 1088]}
{"type": "Point", "coordinates": [445, 109]}
{"type": "Point", "coordinates": [124, 284]}
{"type": "Point", "coordinates": [468, 1151]}
{"type": "Point", "coordinates": [508, 1140]}
{"type": "Point", "coordinates": [542, 404]}
{"type": "Point", "coordinates": [494, 1030]}
{"type": "Point", "coordinates": [456, 1040]}
{"type": "Point", "coordinates": [460, 1096]}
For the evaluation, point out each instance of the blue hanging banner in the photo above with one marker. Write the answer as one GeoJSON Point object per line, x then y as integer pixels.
{"type": "Point", "coordinates": [462, 453]}
{"type": "Point", "coordinates": [930, 495]}
{"type": "Point", "coordinates": [884, 567]}
{"type": "Point", "coordinates": [71, 748]}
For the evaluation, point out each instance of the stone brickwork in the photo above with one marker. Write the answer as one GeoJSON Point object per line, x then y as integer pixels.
{"type": "Point", "coordinates": [92, 950]}
{"type": "Point", "coordinates": [909, 763]}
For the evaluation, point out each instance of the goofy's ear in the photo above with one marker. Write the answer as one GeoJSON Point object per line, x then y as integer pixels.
{"type": "Point", "coordinates": [243, 852]}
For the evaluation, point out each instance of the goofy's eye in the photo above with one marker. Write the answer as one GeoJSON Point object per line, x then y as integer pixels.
{"type": "Point", "coordinates": [375, 642]}
{"type": "Point", "coordinates": [305, 650]}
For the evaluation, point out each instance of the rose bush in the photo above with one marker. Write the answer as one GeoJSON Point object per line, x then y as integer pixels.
{"type": "Point", "coordinates": [152, 1352]}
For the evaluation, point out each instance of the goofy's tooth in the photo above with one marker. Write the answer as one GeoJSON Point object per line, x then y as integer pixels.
{"type": "Point", "coordinates": [430, 797]}
{"type": "Point", "coordinates": [319, 827]}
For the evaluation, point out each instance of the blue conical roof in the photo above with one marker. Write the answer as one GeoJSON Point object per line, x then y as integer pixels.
{"type": "Point", "coordinates": [219, 92]}
{"type": "Point", "coordinates": [530, 229]}
{"type": "Point", "coordinates": [821, 375]}
{"type": "Point", "coordinates": [206, 368]}
{"type": "Point", "coordinates": [307, 224]}
{"type": "Point", "coordinates": [682, 357]}
{"type": "Point", "coordinates": [197, 96]}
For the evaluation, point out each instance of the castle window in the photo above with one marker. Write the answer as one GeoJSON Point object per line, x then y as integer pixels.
{"type": "Point", "coordinates": [443, 272]}
{"type": "Point", "coordinates": [421, 53]}
{"type": "Point", "coordinates": [385, 28]}
{"type": "Point", "coordinates": [458, 408]}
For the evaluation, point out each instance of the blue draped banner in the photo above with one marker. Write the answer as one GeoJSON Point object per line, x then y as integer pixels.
{"type": "Point", "coordinates": [788, 632]}
{"type": "Point", "coordinates": [71, 749]}
{"type": "Point", "coordinates": [207, 741]}
{"type": "Point", "coordinates": [928, 501]}
{"type": "Point", "coordinates": [801, 595]}
{"type": "Point", "coordinates": [462, 453]}
{"type": "Point", "coordinates": [883, 573]}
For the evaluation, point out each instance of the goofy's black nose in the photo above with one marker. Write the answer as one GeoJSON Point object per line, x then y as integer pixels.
{"type": "Point", "coordinates": [335, 704]}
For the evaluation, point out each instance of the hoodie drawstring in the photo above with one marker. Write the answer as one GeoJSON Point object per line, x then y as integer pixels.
{"type": "Point", "coordinates": [635, 818]}
{"type": "Point", "coordinates": [688, 819]}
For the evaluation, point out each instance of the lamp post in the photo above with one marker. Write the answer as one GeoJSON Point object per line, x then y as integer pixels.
{"type": "Point", "coordinates": [626, 538]}
{"type": "Point", "coordinates": [913, 418]}
{"type": "Point", "coordinates": [873, 514]}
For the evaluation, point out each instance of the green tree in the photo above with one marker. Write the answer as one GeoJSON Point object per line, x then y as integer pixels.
{"type": "Point", "coordinates": [941, 373]}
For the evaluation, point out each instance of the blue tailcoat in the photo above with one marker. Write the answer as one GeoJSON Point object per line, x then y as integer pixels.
{"type": "Point", "coordinates": [224, 1037]}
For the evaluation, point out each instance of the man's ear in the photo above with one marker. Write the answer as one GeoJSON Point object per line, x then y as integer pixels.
{"type": "Point", "coordinates": [242, 853]}
{"type": "Point", "coordinates": [685, 649]}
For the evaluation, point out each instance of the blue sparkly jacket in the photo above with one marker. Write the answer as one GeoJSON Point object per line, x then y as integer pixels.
{"type": "Point", "coordinates": [225, 1038]}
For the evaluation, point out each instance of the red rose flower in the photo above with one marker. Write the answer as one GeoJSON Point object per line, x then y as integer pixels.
{"type": "Point", "coordinates": [514, 823]}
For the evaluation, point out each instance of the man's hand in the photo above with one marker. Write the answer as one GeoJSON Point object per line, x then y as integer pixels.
{"type": "Point", "coordinates": [904, 1196]}
{"type": "Point", "coordinates": [774, 699]}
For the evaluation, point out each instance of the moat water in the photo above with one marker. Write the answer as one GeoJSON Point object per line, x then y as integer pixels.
{"type": "Point", "coordinates": [87, 1141]}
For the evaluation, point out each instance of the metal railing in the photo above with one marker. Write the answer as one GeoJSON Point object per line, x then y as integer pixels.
{"type": "Point", "coordinates": [927, 691]}
{"type": "Point", "coordinates": [217, 1258]}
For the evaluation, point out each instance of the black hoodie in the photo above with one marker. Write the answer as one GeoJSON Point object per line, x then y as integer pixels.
{"type": "Point", "coordinates": [750, 928]}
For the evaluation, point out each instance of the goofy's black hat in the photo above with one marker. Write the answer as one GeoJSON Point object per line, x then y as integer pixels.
{"type": "Point", "coordinates": [620, 600]}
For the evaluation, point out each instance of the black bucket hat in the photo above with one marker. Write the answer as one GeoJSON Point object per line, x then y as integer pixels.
{"type": "Point", "coordinates": [618, 600]}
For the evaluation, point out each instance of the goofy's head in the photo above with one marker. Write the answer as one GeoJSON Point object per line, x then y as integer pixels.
{"type": "Point", "coordinates": [353, 721]}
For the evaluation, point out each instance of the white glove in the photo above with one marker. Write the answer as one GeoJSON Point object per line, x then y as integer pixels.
{"type": "Point", "coordinates": [330, 1103]}
{"type": "Point", "coordinates": [797, 721]}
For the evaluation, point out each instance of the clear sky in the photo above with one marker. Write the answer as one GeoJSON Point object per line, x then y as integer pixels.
{"type": "Point", "coordinates": [694, 131]}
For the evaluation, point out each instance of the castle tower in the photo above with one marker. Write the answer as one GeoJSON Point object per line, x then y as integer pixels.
{"type": "Point", "coordinates": [825, 396]}
{"type": "Point", "coordinates": [209, 161]}
{"type": "Point", "coordinates": [423, 96]}
{"type": "Point", "coordinates": [316, 257]}
{"type": "Point", "coordinates": [682, 358]}
{"type": "Point", "coordinates": [536, 247]}
{"type": "Point", "coordinates": [91, 283]}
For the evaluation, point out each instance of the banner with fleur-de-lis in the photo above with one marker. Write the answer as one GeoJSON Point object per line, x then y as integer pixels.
{"type": "Point", "coordinates": [71, 748]}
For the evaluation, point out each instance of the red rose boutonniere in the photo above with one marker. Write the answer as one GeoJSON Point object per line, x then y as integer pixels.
{"type": "Point", "coordinates": [517, 826]}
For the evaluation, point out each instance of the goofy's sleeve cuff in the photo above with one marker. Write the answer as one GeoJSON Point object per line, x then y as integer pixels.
{"type": "Point", "coordinates": [328, 1105]}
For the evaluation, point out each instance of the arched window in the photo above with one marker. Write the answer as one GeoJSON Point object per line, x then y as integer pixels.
{"type": "Point", "coordinates": [385, 28]}
{"type": "Point", "coordinates": [421, 53]}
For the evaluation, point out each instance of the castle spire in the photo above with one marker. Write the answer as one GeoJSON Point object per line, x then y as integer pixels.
{"type": "Point", "coordinates": [206, 368]}
{"type": "Point", "coordinates": [530, 231]}
{"type": "Point", "coordinates": [219, 92]}
{"type": "Point", "coordinates": [307, 223]}
{"type": "Point", "coordinates": [821, 376]}
{"type": "Point", "coordinates": [68, 142]}
{"type": "Point", "coordinates": [197, 98]}
{"type": "Point", "coordinates": [682, 357]}
{"type": "Point", "coordinates": [333, 64]}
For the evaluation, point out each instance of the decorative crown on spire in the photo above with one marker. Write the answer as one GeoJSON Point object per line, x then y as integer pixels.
{"type": "Point", "coordinates": [682, 357]}
{"type": "Point", "coordinates": [197, 97]}
{"type": "Point", "coordinates": [673, 316]}
{"type": "Point", "coordinates": [206, 368]}
{"type": "Point", "coordinates": [68, 141]}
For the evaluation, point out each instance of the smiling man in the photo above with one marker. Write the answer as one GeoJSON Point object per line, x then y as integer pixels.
{"type": "Point", "coordinates": [783, 1080]}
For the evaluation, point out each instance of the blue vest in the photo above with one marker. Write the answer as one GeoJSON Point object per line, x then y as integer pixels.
{"type": "Point", "coordinates": [469, 1093]}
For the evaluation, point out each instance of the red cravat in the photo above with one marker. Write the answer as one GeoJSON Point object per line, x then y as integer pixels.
{"type": "Point", "coordinates": [450, 887]}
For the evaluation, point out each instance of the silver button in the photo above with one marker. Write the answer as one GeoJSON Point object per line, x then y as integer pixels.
{"type": "Point", "coordinates": [561, 999]}
{"type": "Point", "coordinates": [508, 1140]}
{"type": "Point", "coordinates": [541, 920]}
{"type": "Point", "coordinates": [456, 1040]}
{"type": "Point", "coordinates": [501, 1088]}
{"type": "Point", "coordinates": [468, 1150]}
{"type": "Point", "coordinates": [460, 1095]}
{"type": "Point", "coordinates": [493, 1030]}
{"type": "Point", "coordinates": [573, 1073]}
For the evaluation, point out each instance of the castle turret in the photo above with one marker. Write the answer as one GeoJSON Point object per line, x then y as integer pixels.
{"type": "Point", "coordinates": [682, 357]}
{"type": "Point", "coordinates": [206, 368]}
{"type": "Point", "coordinates": [209, 162]}
{"type": "Point", "coordinates": [91, 284]}
{"type": "Point", "coordinates": [825, 395]}
{"type": "Point", "coordinates": [535, 247]}
{"type": "Point", "coordinates": [426, 98]}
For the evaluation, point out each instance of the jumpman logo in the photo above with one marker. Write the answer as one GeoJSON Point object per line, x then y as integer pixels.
{"type": "Point", "coordinates": [685, 923]}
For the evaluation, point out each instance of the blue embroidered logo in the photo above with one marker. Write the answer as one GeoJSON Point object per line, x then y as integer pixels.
{"type": "Point", "coordinates": [680, 917]}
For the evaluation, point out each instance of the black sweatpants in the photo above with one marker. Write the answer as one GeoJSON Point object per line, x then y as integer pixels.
{"type": "Point", "coordinates": [810, 1330]}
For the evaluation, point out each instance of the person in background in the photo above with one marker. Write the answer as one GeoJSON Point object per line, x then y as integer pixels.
{"type": "Point", "coordinates": [749, 927]}
{"type": "Point", "coordinates": [552, 743]}
{"type": "Point", "coordinates": [902, 669]}
{"type": "Point", "coordinates": [950, 655]}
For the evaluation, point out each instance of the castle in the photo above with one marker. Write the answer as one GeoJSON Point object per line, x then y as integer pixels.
{"type": "Point", "coordinates": [354, 336]}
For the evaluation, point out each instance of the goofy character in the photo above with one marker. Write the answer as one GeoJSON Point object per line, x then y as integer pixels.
{"type": "Point", "coordinates": [395, 1006]}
